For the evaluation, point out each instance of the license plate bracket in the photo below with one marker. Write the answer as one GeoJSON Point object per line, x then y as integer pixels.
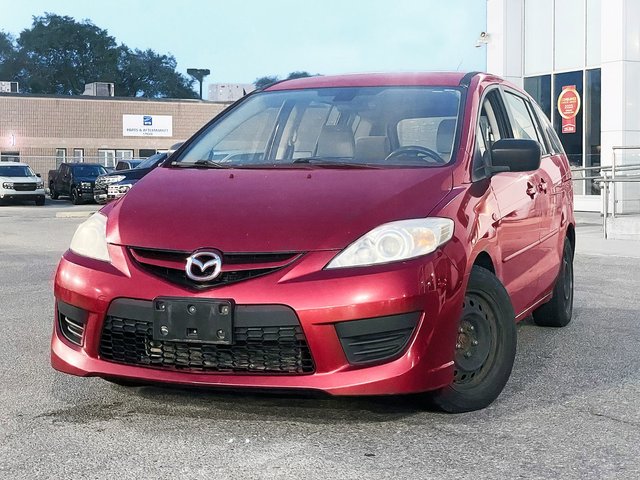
{"type": "Point", "coordinates": [193, 320]}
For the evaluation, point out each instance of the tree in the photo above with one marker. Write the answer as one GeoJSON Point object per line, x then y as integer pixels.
{"type": "Point", "coordinates": [60, 55]}
{"type": "Point", "coordinates": [7, 57]}
{"type": "Point", "coordinates": [265, 81]}
{"type": "Point", "coordinates": [149, 74]}
{"type": "Point", "coordinates": [262, 82]}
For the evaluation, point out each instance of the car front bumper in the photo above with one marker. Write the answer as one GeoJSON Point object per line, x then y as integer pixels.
{"type": "Point", "coordinates": [322, 300]}
{"type": "Point", "coordinates": [18, 195]}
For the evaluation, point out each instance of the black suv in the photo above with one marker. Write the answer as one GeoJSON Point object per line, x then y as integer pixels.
{"type": "Point", "coordinates": [114, 185]}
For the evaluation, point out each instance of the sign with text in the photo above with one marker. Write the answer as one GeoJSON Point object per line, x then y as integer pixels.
{"type": "Point", "coordinates": [568, 108]}
{"type": "Point", "coordinates": [147, 126]}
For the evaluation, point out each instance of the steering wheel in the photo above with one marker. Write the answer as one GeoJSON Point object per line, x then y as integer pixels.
{"type": "Point", "coordinates": [418, 152]}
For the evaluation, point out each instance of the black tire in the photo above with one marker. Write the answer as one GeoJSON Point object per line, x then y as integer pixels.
{"type": "Point", "coordinates": [40, 201]}
{"type": "Point", "coordinates": [558, 311]}
{"type": "Point", "coordinates": [76, 199]}
{"type": "Point", "coordinates": [485, 347]}
{"type": "Point", "coordinates": [52, 192]}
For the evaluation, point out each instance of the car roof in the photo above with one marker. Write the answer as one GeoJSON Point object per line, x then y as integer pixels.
{"type": "Point", "coordinates": [445, 79]}
{"type": "Point", "coordinates": [13, 164]}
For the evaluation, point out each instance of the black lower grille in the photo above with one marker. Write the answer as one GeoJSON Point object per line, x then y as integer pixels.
{"type": "Point", "coordinates": [378, 339]}
{"type": "Point", "coordinates": [262, 349]}
{"type": "Point", "coordinates": [24, 187]}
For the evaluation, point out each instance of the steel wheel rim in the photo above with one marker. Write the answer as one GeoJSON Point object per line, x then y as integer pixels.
{"type": "Point", "coordinates": [473, 362]}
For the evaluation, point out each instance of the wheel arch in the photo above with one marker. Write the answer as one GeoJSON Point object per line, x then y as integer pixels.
{"type": "Point", "coordinates": [571, 235]}
{"type": "Point", "coordinates": [484, 260]}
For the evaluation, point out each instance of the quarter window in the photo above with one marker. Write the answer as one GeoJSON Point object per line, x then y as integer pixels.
{"type": "Point", "coordinates": [523, 125]}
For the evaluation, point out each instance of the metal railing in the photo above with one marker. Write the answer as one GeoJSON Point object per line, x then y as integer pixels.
{"type": "Point", "coordinates": [613, 176]}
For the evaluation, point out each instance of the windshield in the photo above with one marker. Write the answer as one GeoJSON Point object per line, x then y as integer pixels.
{"type": "Point", "coordinates": [16, 171]}
{"type": "Point", "coordinates": [381, 126]}
{"type": "Point", "coordinates": [152, 160]}
{"type": "Point", "coordinates": [88, 170]}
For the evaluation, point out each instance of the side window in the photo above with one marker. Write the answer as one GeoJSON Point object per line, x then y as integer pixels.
{"type": "Point", "coordinates": [555, 147]}
{"type": "Point", "coordinates": [490, 129]}
{"type": "Point", "coordinates": [523, 125]}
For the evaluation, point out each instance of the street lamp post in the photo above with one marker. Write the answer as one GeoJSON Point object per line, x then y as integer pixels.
{"type": "Point", "coordinates": [199, 74]}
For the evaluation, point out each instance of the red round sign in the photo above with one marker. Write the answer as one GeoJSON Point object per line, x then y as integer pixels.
{"type": "Point", "coordinates": [568, 102]}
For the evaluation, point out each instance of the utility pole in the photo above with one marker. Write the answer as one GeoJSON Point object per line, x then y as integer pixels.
{"type": "Point", "coordinates": [199, 74]}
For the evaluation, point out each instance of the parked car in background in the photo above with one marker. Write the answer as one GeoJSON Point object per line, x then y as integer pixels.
{"type": "Point", "coordinates": [114, 185]}
{"type": "Point", "coordinates": [377, 234]}
{"type": "Point", "coordinates": [127, 164]}
{"type": "Point", "coordinates": [75, 180]}
{"type": "Point", "coordinates": [19, 182]}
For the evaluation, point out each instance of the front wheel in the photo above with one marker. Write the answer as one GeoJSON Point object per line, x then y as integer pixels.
{"type": "Point", "coordinates": [52, 193]}
{"type": "Point", "coordinates": [558, 311]}
{"type": "Point", "coordinates": [485, 347]}
{"type": "Point", "coordinates": [75, 197]}
{"type": "Point", "coordinates": [40, 201]}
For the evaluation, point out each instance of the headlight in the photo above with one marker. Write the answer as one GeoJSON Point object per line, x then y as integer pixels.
{"type": "Point", "coordinates": [85, 184]}
{"type": "Point", "coordinates": [395, 241]}
{"type": "Point", "coordinates": [90, 239]}
{"type": "Point", "coordinates": [124, 188]}
{"type": "Point", "coordinates": [39, 185]}
{"type": "Point", "coordinates": [112, 179]}
{"type": "Point", "coordinates": [8, 185]}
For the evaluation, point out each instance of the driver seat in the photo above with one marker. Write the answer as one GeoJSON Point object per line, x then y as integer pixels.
{"type": "Point", "coordinates": [444, 136]}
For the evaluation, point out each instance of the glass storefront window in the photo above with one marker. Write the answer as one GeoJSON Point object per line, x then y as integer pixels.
{"type": "Point", "coordinates": [592, 111]}
{"type": "Point", "coordinates": [571, 139]}
{"type": "Point", "coordinates": [540, 89]}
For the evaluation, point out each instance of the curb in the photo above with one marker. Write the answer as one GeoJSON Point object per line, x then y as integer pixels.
{"type": "Point", "coordinates": [83, 214]}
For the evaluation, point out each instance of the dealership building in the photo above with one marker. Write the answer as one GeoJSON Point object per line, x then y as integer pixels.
{"type": "Point", "coordinates": [580, 60]}
{"type": "Point", "coordinates": [46, 130]}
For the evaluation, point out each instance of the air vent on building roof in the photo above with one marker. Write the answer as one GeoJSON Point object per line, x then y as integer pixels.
{"type": "Point", "coordinates": [99, 89]}
{"type": "Point", "coordinates": [8, 87]}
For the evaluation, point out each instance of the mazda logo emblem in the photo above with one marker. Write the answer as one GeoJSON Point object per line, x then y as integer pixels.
{"type": "Point", "coordinates": [199, 263]}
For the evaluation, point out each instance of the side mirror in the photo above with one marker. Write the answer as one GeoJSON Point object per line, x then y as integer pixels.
{"type": "Point", "coordinates": [38, 175]}
{"type": "Point", "coordinates": [514, 155]}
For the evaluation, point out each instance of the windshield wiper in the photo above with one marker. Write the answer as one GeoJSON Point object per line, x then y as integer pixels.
{"type": "Point", "coordinates": [203, 163]}
{"type": "Point", "coordinates": [323, 162]}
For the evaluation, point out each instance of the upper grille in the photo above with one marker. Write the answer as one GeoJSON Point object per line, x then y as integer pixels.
{"type": "Point", "coordinates": [262, 349]}
{"type": "Point", "coordinates": [24, 187]}
{"type": "Point", "coordinates": [170, 265]}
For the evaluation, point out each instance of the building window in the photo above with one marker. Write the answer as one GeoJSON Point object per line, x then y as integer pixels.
{"type": "Point", "coordinates": [124, 154]}
{"type": "Point", "coordinates": [571, 140]}
{"type": "Point", "coordinates": [107, 157]}
{"type": "Point", "coordinates": [540, 89]}
{"type": "Point", "coordinates": [61, 156]}
{"type": "Point", "coordinates": [146, 152]}
{"type": "Point", "coordinates": [592, 111]}
{"type": "Point", "coordinates": [10, 156]}
{"type": "Point", "coordinates": [78, 154]}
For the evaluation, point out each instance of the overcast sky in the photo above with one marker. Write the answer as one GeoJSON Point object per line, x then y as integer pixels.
{"type": "Point", "coordinates": [242, 40]}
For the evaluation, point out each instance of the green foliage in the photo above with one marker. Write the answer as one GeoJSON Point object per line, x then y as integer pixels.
{"type": "Point", "coordinates": [265, 81]}
{"type": "Point", "coordinates": [269, 79]}
{"type": "Point", "coordinates": [60, 55]}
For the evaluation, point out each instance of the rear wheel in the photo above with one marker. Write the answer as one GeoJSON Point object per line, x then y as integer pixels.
{"type": "Point", "coordinates": [558, 311]}
{"type": "Point", "coordinates": [485, 346]}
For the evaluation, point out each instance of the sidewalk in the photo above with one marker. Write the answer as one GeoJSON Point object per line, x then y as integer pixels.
{"type": "Point", "coordinates": [590, 239]}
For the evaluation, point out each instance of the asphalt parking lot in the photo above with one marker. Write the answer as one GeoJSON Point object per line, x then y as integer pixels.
{"type": "Point", "coordinates": [570, 410]}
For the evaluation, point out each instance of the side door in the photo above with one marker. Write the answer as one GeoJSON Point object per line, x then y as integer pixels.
{"type": "Point", "coordinates": [63, 179]}
{"type": "Point", "coordinates": [517, 220]}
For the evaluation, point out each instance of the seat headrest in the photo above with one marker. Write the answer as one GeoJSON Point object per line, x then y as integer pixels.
{"type": "Point", "coordinates": [335, 141]}
{"type": "Point", "coordinates": [371, 149]}
{"type": "Point", "coordinates": [444, 137]}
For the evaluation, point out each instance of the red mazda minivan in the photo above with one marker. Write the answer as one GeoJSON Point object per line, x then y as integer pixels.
{"type": "Point", "coordinates": [358, 235]}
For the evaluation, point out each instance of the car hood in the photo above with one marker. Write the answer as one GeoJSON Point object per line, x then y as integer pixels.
{"type": "Point", "coordinates": [20, 179]}
{"type": "Point", "coordinates": [260, 210]}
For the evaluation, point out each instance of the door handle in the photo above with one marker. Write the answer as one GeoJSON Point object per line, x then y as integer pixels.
{"type": "Point", "coordinates": [542, 186]}
{"type": "Point", "coordinates": [531, 190]}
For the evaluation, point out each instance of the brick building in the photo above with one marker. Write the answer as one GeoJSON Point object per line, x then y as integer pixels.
{"type": "Point", "coordinates": [45, 130]}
